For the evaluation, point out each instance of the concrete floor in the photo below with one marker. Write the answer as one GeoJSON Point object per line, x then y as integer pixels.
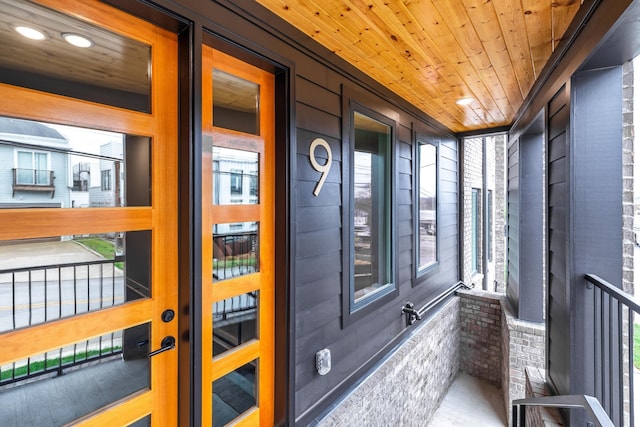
{"type": "Point", "coordinates": [59, 400]}
{"type": "Point", "coordinates": [470, 402]}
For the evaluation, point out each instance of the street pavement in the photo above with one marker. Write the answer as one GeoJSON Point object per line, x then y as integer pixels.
{"type": "Point", "coordinates": [39, 295]}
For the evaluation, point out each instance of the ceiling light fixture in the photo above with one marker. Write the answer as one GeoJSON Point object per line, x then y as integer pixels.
{"type": "Point", "coordinates": [77, 40]}
{"type": "Point", "coordinates": [464, 101]}
{"type": "Point", "coordinates": [30, 33]}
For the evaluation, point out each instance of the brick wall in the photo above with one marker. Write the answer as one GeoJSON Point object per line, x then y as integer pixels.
{"type": "Point", "coordinates": [628, 204]}
{"type": "Point", "coordinates": [628, 211]}
{"type": "Point", "coordinates": [480, 335]}
{"type": "Point", "coordinates": [496, 346]}
{"type": "Point", "coordinates": [537, 387]}
{"type": "Point", "coordinates": [475, 333]}
{"type": "Point", "coordinates": [523, 345]}
{"type": "Point", "coordinates": [500, 195]}
{"type": "Point", "coordinates": [407, 387]}
{"type": "Point", "coordinates": [495, 182]}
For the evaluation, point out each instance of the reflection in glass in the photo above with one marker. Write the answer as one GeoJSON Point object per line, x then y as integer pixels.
{"type": "Point", "coordinates": [234, 321]}
{"type": "Point", "coordinates": [65, 276]}
{"type": "Point", "coordinates": [235, 177]}
{"type": "Point", "coordinates": [234, 394]}
{"type": "Point", "coordinates": [53, 65]}
{"type": "Point", "coordinates": [143, 422]}
{"type": "Point", "coordinates": [371, 208]}
{"type": "Point", "coordinates": [235, 250]}
{"type": "Point", "coordinates": [427, 176]}
{"type": "Point", "coordinates": [235, 103]}
{"type": "Point", "coordinates": [63, 166]}
{"type": "Point", "coordinates": [71, 382]}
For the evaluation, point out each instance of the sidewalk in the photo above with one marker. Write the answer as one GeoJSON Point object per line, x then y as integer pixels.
{"type": "Point", "coordinates": [44, 253]}
{"type": "Point", "coordinates": [35, 255]}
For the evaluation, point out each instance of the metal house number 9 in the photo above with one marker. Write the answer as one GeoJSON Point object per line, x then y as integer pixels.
{"type": "Point", "coordinates": [323, 169]}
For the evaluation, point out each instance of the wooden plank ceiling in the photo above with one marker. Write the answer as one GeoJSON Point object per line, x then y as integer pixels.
{"type": "Point", "coordinates": [435, 52]}
{"type": "Point", "coordinates": [113, 61]}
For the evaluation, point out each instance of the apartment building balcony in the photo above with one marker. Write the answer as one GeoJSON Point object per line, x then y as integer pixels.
{"type": "Point", "coordinates": [33, 180]}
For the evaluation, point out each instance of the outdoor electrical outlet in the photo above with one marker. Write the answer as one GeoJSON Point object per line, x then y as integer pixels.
{"type": "Point", "coordinates": [323, 361]}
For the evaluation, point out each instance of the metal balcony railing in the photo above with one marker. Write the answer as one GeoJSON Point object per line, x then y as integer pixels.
{"type": "Point", "coordinates": [37, 295]}
{"type": "Point", "coordinates": [595, 413]}
{"type": "Point", "coordinates": [613, 314]}
{"type": "Point", "coordinates": [608, 328]}
{"type": "Point", "coordinates": [238, 304]}
{"type": "Point", "coordinates": [235, 254]}
{"type": "Point", "coordinates": [33, 180]}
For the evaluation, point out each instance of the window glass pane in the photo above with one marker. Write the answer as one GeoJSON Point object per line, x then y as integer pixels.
{"type": "Point", "coordinates": [70, 382]}
{"type": "Point", "coordinates": [54, 65]}
{"type": "Point", "coordinates": [49, 165]}
{"type": "Point", "coordinates": [144, 422]}
{"type": "Point", "coordinates": [234, 394]}
{"type": "Point", "coordinates": [48, 279]}
{"type": "Point", "coordinates": [427, 176]}
{"type": "Point", "coordinates": [475, 229]}
{"type": "Point", "coordinates": [234, 321]}
{"type": "Point", "coordinates": [235, 103]}
{"type": "Point", "coordinates": [235, 250]}
{"type": "Point", "coordinates": [371, 208]}
{"type": "Point", "coordinates": [490, 225]}
{"type": "Point", "coordinates": [235, 176]}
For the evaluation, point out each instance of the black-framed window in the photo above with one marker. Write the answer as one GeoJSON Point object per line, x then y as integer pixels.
{"type": "Point", "coordinates": [490, 225]}
{"type": "Point", "coordinates": [476, 229]}
{"type": "Point", "coordinates": [105, 180]}
{"type": "Point", "coordinates": [370, 208]}
{"type": "Point", "coordinates": [426, 206]}
{"type": "Point", "coordinates": [236, 181]}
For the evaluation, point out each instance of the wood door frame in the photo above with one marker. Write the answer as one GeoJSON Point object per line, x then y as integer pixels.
{"type": "Point", "coordinates": [263, 280]}
{"type": "Point", "coordinates": [285, 158]}
{"type": "Point", "coordinates": [18, 102]}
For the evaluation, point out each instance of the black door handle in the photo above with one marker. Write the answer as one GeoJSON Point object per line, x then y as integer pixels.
{"type": "Point", "coordinates": [168, 343]}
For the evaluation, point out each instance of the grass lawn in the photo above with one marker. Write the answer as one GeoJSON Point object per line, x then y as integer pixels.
{"type": "Point", "coordinates": [39, 365]}
{"type": "Point", "coordinates": [636, 345]}
{"type": "Point", "coordinates": [101, 246]}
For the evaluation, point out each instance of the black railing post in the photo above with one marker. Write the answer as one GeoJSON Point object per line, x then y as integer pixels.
{"type": "Point", "coordinates": [613, 364]}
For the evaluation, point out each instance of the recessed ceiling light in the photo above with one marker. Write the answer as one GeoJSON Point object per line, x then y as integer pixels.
{"type": "Point", "coordinates": [30, 33]}
{"type": "Point", "coordinates": [464, 101]}
{"type": "Point", "coordinates": [77, 40]}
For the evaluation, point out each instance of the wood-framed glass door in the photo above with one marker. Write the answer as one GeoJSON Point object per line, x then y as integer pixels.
{"type": "Point", "coordinates": [238, 242]}
{"type": "Point", "coordinates": [88, 217]}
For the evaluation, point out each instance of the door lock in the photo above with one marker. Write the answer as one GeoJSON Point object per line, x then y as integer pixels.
{"type": "Point", "coordinates": [168, 343]}
{"type": "Point", "coordinates": [168, 315]}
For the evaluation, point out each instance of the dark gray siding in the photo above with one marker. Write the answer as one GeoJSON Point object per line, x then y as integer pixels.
{"type": "Point", "coordinates": [513, 222]}
{"type": "Point", "coordinates": [524, 256]}
{"type": "Point", "coordinates": [319, 245]}
{"type": "Point", "coordinates": [557, 241]}
{"type": "Point", "coordinates": [595, 225]}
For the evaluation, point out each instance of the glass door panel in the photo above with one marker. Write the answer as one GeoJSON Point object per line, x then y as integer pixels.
{"type": "Point", "coordinates": [238, 242]}
{"type": "Point", "coordinates": [88, 203]}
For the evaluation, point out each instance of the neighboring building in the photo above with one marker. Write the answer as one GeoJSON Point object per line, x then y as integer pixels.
{"type": "Point", "coordinates": [484, 211]}
{"type": "Point", "coordinates": [33, 165]}
{"type": "Point", "coordinates": [85, 176]}
{"type": "Point", "coordinates": [106, 188]}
